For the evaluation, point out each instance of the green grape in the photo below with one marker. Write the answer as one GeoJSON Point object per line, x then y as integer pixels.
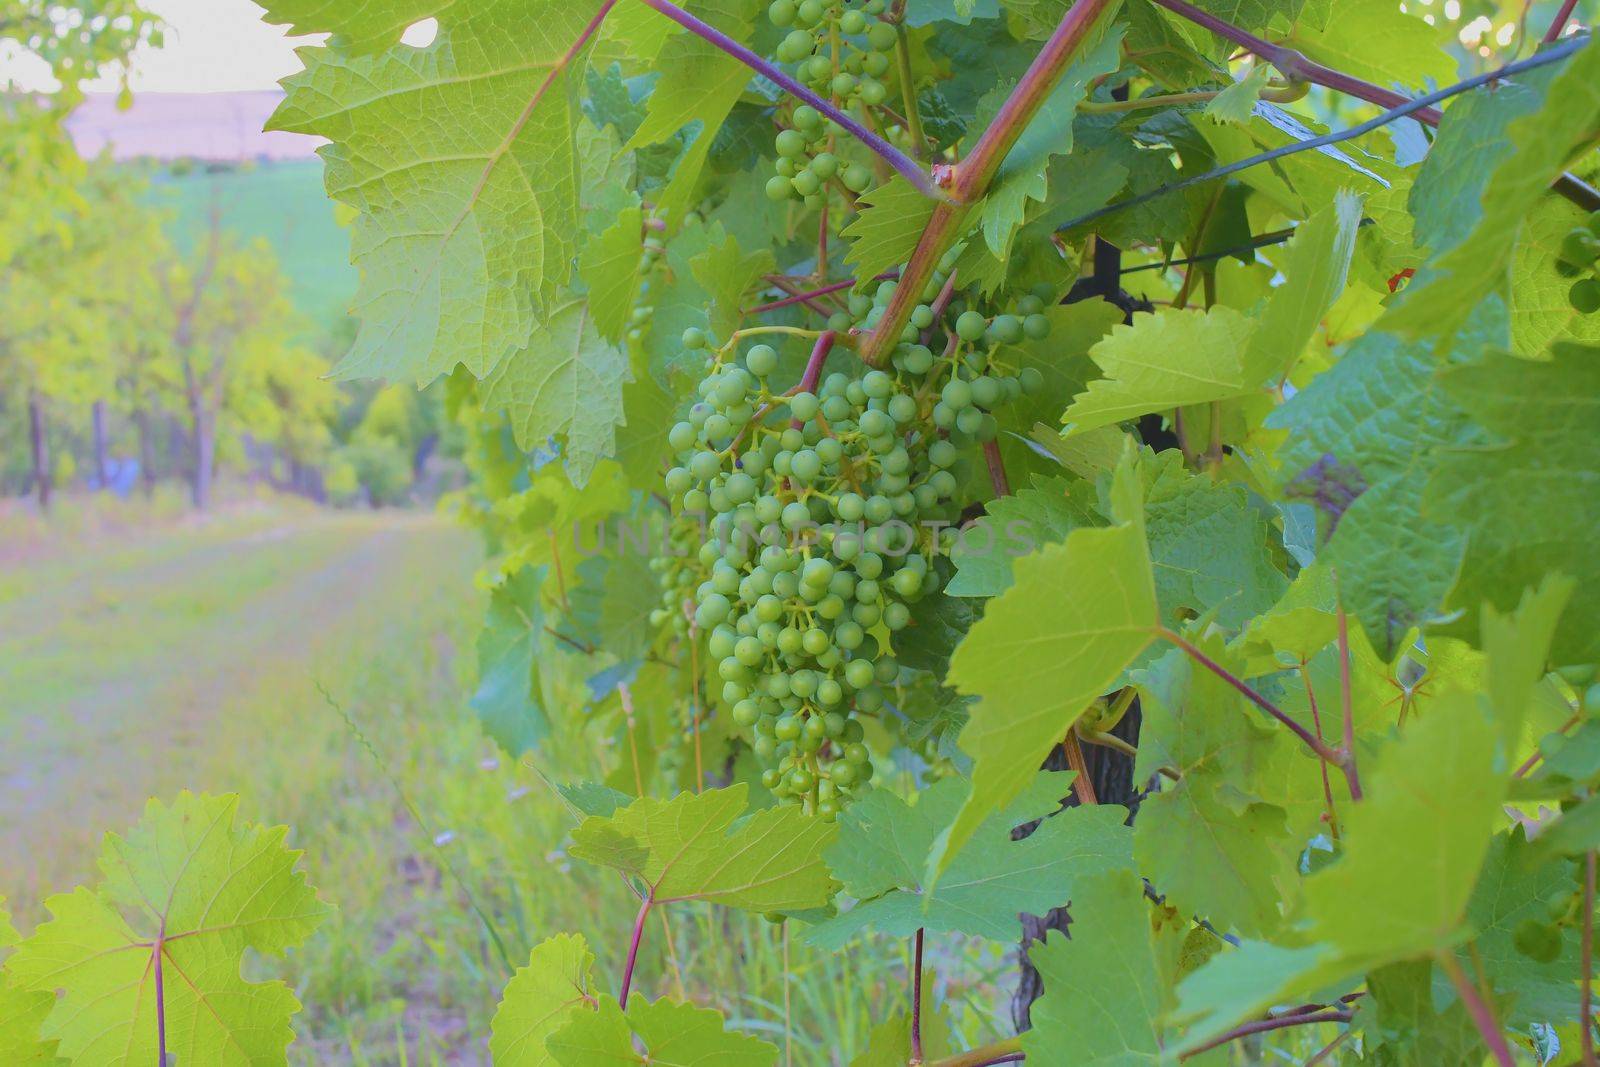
{"type": "Point", "coordinates": [791, 143]}
{"type": "Point", "coordinates": [970, 325]}
{"type": "Point", "coordinates": [881, 37]}
{"type": "Point", "coordinates": [1584, 296]}
{"type": "Point", "coordinates": [807, 118]}
{"type": "Point", "coordinates": [856, 177]}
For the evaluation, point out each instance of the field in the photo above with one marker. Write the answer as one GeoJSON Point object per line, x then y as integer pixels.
{"type": "Point", "coordinates": [226, 655]}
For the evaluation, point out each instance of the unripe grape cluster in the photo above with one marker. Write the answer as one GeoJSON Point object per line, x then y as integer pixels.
{"type": "Point", "coordinates": [842, 53]}
{"type": "Point", "coordinates": [652, 262]}
{"type": "Point", "coordinates": [825, 509]}
{"type": "Point", "coordinates": [1580, 259]}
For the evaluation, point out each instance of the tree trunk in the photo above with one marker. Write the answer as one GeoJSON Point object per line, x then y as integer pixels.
{"type": "Point", "coordinates": [205, 443]}
{"type": "Point", "coordinates": [424, 452]}
{"type": "Point", "coordinates": [41, 450]}
{"type": "Point", "coordinates": [147, 452]}
{"type": "Point", "coordinates": [101, 445]}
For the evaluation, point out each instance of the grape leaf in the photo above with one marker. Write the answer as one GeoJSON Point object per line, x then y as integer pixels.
{"type": "Point", "coordinates": [186, 893]}
{"type": "Point", "coordinates": [540, 999]}
{"type": "Point", "coordinates": [1314, 265]}
{"type": "Point", "coordinates": [508, 700]}
{"type": "Point", "coordinates": [1437, 830]}
{"type": "Point", "coordinates": [1407, 1030]}
{"type": "Point", "coordinates": [1212, 848]}
{"type": "Point", "coordinates": [668, 1034]}
{"type": "Point", "coordinates": [889, 1043]}
{"type": "Point", "coordinates": [1102, 989]}
{"type": "Point", "coordinates": [1519, 883]}
{"type": "Point", "coordinates": [361, 27]}
{"type": "Point", "coordinates": [1162, 360]}
{"type": "Point", "coordinates": [1021, 176]}
{"type": "Point", "coordinates": [726, 276]}
{"type": "Point", "coordinates": [1381, 43]}
{"type": "Point", "coordinates": [1014, 526]}
{"type": "Point", "coordinates": [882, 858]}
{"type": "Point", "coordinates": [696, 847]}
{"type": "Point", "coordinates": [1530, 497]}
{"type": "Point", "coordinates": [1440, 298]}
{"type": "Point", "coordinates": [1374, 423]}
{"type": "Point", "coordinates": [22, 1013]}
{"type": "Point", "coordinates": [463, 236]}
{"type": "Point", "coordinates": [699, 84]}
{"type": "Point", "coordinates": [1236, 104]}
{"type": "Point", "coordinates": [1079, 613]}
{"type": "Point", "coordinates": [887, 229]}
{"type": "Point", "coordinates": [610, 267]}
{"type": "Point", "coordinates": [1176, 357]}
{"type": "Point", "coordinates": [567, 383]}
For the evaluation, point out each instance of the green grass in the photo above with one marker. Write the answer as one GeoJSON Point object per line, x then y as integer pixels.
{"type": "Point", "coordinates": [228, 655]}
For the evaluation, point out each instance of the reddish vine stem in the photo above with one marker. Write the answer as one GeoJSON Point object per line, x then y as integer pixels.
{"type": "Point", "coordinates": [1250, 694]}
{"type": "Point", "coordinates": [968, 180]}
{"type": "Point", "coordinates": [1279, 1022]}
{"type": "Point", "coordinates": [633, 948]}
{"type": "Point", "coordinates": [1478, 1009]}
{"type": "Point", "coordinates": [891, 155]}
{"type": "Point", "coordinates": [1586, 1013]}
{"type": "Point", "coordinates": [1559, 23]}
{"type": "Point", "coordinates": [1349, 760]}
{"type": "Point", "coordinates": [997, 468]}
{"type": "Point", "coordinates": [940, 304]}
{"type": "Point", "coordinates": [161, 999]}
{"type": "Point", "coordinates": [916, 999]}
{"type": "Point", "coordinates": [819, 357]}
{"type": "Point", "coordinates": [1295, 65]}
{"type": "Point", "coordinates": [812, 294]}
{"type": "Point", "coordinates": [1316, 724]}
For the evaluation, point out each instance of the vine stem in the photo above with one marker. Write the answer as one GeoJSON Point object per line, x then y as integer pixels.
{"type": "Point", "coordinates": [797, 297]}
{"type": "Point", "coordinates": [968, 180]}
{"type": "Point", "coordinates": [1579, 192]}
{"type": "Point", "coordinates": [1316, 724]}
{"type": "Point", "coordinates": [1349, 760]}
{"type": "Point", "coordinates": [1312, 742]}
{"type": "Point", "coordinates": [916, 999]}
{"type": "Point", "coordinates": [887, 152]}
{"type": "Point", "coordinates": [1278, 1022]}
{"type": "Point", "coordinates": [1478, 1008]}
{"type": "Point", "coordinates": [633, 947]}
{"type": "Point", "coordinates": [1559, 23]}
{"type": "Point", "coordinates": [1586, 1014]}
{"type": "Point", "coordinates": [997, 468]}
{"type": "Point", "coordinates": [160, 995]}
{"type": "Point", "coordinates": [1006, 1051]}
{"type": "Point", "coordinates": [1294, 65]}
{"type": "Point", "coordinates": [819, 357]}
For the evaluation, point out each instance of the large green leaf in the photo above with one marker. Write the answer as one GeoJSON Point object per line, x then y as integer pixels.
{"type": "Point", "coordinates": [1442, 297]}
{"type": "Point", "coordinates": [660, 1033]}
{"type": "Point", "coordinates": [703, 847]}
{"type": "Point", "coordinates": [1103, 996]}
{"type": "Point", "coordinates": [1529, 496]}
{"type": "Point", "coordinates": [508, 700]}
{"type": "Point", "coordinates": [567, 383]}
{"type": "Point", "coordinates": [185, 895]}
{"type": "Point", "coordinates": [1078, 615]}
{"type": "Point", "coordinates": [884, 844]}
{"type": "Point", "coordinates": [540, 999]}
{"type": "Point", "coordinates": [463, 236]}
{"type": "Point", "coordinates": [1208, 845]}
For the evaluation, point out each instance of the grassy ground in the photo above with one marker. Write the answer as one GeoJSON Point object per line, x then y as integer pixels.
{"type": "Point", "coordinates": [316, 663]}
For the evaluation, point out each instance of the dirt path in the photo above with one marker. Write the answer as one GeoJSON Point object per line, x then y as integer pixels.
{"type": "Point", "coordinates": [177, 665]}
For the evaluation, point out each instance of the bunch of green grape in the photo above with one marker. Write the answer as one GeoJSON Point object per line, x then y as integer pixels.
{"type": "Point", "coordinates": [652, 263]}
{"type": "Point", "coordinates": [1580, 258]}
{"type": "Point", "coordinates": [826, 511]}
{"type": "Point", "coordinates": [679, 573]}
{"type": "Point", "coordinates": [842, 53]}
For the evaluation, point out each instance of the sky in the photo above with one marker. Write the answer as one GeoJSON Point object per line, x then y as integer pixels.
{"type": "Point", "coordinates": [211, 46]}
